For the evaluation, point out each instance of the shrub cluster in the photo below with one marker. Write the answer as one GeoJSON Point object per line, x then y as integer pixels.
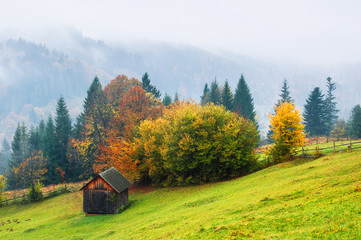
{"type": "Point", "coordinates": [191, 144]}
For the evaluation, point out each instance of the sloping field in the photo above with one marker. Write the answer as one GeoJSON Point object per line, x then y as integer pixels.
{"type": "Point", "coordinates": [296, 200]}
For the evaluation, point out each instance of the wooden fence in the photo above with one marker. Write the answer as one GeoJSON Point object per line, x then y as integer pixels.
{"type": "Point", "coordinates": [334, 148]}
{"type": "Point", "coordinates": [24, 198]}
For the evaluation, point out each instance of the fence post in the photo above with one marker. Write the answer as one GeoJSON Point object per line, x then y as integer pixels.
{"type": "Point", "coordinates": [350, 144]}
{"type": "Point", "coordinates": [334, 147]}
{"type": "Point", "coordinates": [303, 152]}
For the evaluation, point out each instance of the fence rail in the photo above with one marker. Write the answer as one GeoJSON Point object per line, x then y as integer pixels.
{"type": "Point", "coordinates": [23, 197]}
{"type": "Point", "coordinates": [311, 152]}
{"type": "Point", "coordinates": [335, 148]}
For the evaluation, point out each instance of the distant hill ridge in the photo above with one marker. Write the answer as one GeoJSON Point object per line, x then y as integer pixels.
{"type": "Point", "coordinates": [32, 76]}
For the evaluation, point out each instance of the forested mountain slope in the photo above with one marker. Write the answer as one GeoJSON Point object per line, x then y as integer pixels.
{"type": "Point", "coordinates": [33, 76]}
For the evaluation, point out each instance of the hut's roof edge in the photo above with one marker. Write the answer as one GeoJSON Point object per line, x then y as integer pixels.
{"type": "Point", "coordinates": [114, 178]}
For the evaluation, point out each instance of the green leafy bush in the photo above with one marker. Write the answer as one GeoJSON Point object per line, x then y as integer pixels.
{"type": "Point", "coordinates": [191, 144]}
{"type": "Point", "coordinates": [35, 193]}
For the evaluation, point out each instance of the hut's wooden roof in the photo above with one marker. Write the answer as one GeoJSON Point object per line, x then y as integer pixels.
{"type": "Point", "coordinates": [114, 178]}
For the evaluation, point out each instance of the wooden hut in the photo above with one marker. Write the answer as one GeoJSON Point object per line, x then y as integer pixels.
{"type": "Point", "coordinates": [106, 193]}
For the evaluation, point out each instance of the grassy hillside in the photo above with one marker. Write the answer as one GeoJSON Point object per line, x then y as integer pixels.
{"type": "Point", "coordinates": [295, 200]}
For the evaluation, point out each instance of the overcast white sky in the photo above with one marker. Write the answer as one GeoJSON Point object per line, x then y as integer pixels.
{"type": "Point", "coordinates": [308, 31]}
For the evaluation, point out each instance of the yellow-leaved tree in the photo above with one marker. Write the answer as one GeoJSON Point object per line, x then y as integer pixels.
{"type": "Point", "coordinates": [288, 132]}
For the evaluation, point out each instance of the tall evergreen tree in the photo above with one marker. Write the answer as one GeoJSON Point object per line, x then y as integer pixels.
{"type": "Point", "coordinates": [285, 94]}
{"type": "Point", "coordinates": [62, 134]}
{"type": "Point", "coordinates": [355, 122]}
{"type": "Point", "coordinates": [243, 101]}
{"type": "Point", "coordinates": [176, 98]}
{"type": "Point", "coordinates": [78, 127]}
{"type": "Point", "coordinates": [41, 134]}
{"type": "Point", "coordinates": [49, 151]}
{"type": "Point", "coordinates": [205, 96]}
{"type": "Point", "coordinates": [34, 139]}
{"type": "Point", "coordinates": [215, 93]}
{"type": "Point", "coordinates": [227, 96]}
{"type": "Point", "coordinates": [148, 87]}
{"type": "Point", "coordinates": [330, 106]}
{"type": "Point", "coordinates": [314, 113]}
{"type": "Point", "coordinates": [19, 151]}
{"type": "Point", "coordinates": [167, 100]}
{"type": "Point", "coordinates": [97, 116]}
{"type": "Point", "coordinates": [5, 154]}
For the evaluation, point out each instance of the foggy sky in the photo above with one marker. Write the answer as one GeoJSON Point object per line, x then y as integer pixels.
{"type": "Point", "coordinates": [307, 31]}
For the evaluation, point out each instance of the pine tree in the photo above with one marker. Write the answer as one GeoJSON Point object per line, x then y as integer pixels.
{"type": "Point", "coordinates": [227, 96]}
{"type": "Point", "coordinates": [78, 127]}
{"type": "Point", "coordinates": [215, 93]}
{"type": "Point", "coordinates": [49, 151]}
{"type": "Point", "coordinates": [4, 156]}
{"type": "Point", "coordinates": [314, 113]}
{"type": "Point", "coordinates": [97, 116]}
{"type": "Point", "coordinates": [243, 101]}
{"type": "Point", "coordinates": [62, 134]}
{"type": "Point", "coordinates": [19, 151]}
{"type": "Point", "coordinates": [205, 96]}
{"type": "Point", "coordinates": [148, 87]}
{"type": "Point", "coordinates": [285, 97]}
{"type": "Point", "coordinates": [91, 97]}
{"type": "Point", "coordinates": [285, 94]}
{"type": "Point", "coordinates": [41, 134]}
{"type": "Point", "coordinates": [176, 98]}
{"type": "Point", "coordinates": [330, 106]}
{"type": "Point", "coordinates": [34, 139]}
{"type": "Point", "coordinates": [167, 100]}
{"type": "Point", "coordinates": [355, 121]}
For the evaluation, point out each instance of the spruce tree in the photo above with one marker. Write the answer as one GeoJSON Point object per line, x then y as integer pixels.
{"type": "Point", "coordinates": [19, 151]}
{"type": "Point", "coordinates": [176, 98]}
{"type": "Point", "coordinates": [227, 96]}
{"type": "Point", "coordinates": [62, 134]}
{"type": "Point", "coordinates": [330, 106]}
{"type": "Point", "coordinates": [148, 87]}
{"type": "Point", "coordinates": [91, 97]}
{"type": "Point", "coordinates": [167, 100]}
{"type": "Point", "coordinates": [243, 101]}
{"type": "Point", "coordinates": [285, 94]}
{"type": "Point", "coordinates": [314, 113]}
{"type": "Point", "coordinates": [49, 151]}
{"type": "Point", "coordinates": [355, 121]}
{"type": "Point", "coordinates": [215, 93]}
{"type": "Point", "coordinates": [4, 156]}
{"type": "Point", "coordinates": [41, 134]}
{"type": "Point", "coordinates": [78, 127]}
{"type": "Point", "coordinates": [97, 116]}
{"type": "Point", "coordinates": [205, 96]}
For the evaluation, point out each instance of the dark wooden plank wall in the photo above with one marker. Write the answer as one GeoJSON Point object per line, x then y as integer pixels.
{"type": "Point", "coordinates": [100, 197]}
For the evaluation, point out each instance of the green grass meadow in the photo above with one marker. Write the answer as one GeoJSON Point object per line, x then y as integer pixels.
{"type": "Point", "coordinates": [303, 199]}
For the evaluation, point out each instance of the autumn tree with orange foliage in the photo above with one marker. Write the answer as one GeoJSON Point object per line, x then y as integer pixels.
{"type": "Point", "coordinates": [118, 151]}
{"type": "Point", "coordinates": [118, 88]}
{"type": "Point", "coordinates": [288, 132]}
{"type": "Point", "coordinates": [32, 170]}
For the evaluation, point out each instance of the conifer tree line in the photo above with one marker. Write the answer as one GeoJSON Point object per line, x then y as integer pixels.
{"type": "Point", "coordinates": [108, 130]}
{"type": "Point", "coordinates": [241, 102]}
{"type": "Point", "coordinates": [52, 139]}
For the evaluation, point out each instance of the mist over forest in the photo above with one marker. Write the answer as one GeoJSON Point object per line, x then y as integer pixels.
{"type": "Point", "coordinates": [33, 75]}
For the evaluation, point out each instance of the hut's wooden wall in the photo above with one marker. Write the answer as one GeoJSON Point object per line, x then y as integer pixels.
{"type": "Point", "coordinates": [100, 197]}
{"type": "Point", "coordinates": [98, 184]}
